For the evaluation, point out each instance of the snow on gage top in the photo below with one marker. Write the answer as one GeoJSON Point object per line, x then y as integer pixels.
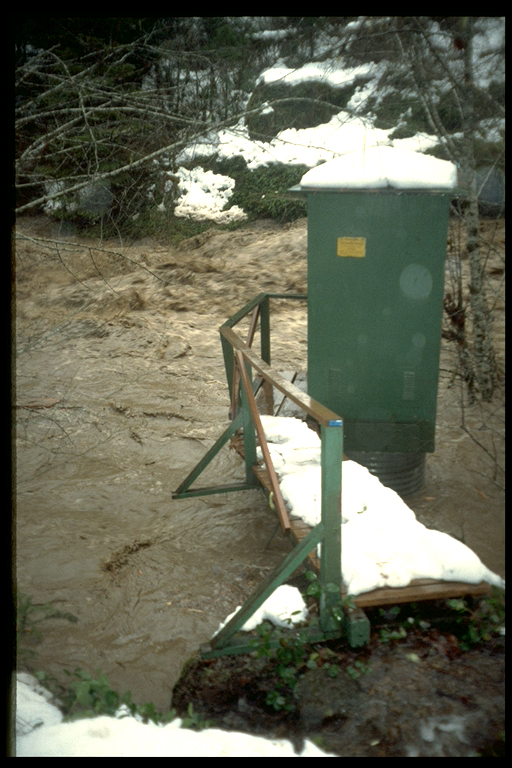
{"type": "Point", "coordinates": [380, 167]}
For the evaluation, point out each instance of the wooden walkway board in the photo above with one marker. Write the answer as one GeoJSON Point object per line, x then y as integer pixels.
{"type": "Point", "coordinates": [418, 589]}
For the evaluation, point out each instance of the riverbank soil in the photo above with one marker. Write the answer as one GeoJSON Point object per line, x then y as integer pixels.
{"type": "Point", "coordinates": [120, 389]}
{"type": "Point", "coordinates": [421, 696]}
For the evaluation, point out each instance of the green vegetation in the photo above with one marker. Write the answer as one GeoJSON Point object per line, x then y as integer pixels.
{"type": "Point", "coordinates": [108, 97]}
{"type": "Point", "coordinates": [166, 227]}
{"type": "Point", "coordinates": [194, 720]}
{"type": "Point", "coordinates": [392, 634]}
{"type": "Point", "coordinates": [90, 696]}
{"type": "Point", "coordinates": [471, 621]}
{"type": "Point", "coordinates": [477, 622]}
{"type": "Point", "coordinates": [359, 668]}
{"type": "Point", "coordinates": [262, 192]}
{"type": "Point", "coordinates": [290, 654]}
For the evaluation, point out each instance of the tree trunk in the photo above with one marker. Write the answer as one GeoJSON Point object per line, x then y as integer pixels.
{"type": "Point", "coordinates": [483, 350]}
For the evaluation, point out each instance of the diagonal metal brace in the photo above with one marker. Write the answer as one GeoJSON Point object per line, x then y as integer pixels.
{"type": "Point", "coordinates": [278, 577]}
{"type": "Point", "coordinates": [183, 491]}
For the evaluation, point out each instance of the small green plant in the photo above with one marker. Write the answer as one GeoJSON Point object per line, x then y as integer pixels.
{"type": "Point", "coordinates": [315, 589]}
{"type": "Point", "coordinates": [478, 624]}
{"type": "Point", "coordinates": [289, 655]}
{"type": "Point", "coordinates": [386, 635]}
{"type": "Point", "coordinates": [263, 192]}
{"type": "Point", "coordinates": [359, 668]}
{"type": "Point", "coordinates": [89, 696]}
{"type": "Point", "coordinates": [195, 721]}
{"type": "Point", "coordinates": [471, 620]}
{"type": "Point", "coordinates": [332, 670]}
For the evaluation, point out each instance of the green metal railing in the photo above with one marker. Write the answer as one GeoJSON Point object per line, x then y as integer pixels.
{"type": "Point", "coordinates": [240, 360]}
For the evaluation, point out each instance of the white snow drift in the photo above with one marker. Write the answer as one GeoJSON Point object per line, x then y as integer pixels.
{"type": "Point", "coordinates": [40, 732]}
{"type": "Point", "coordinates": [383, 544]}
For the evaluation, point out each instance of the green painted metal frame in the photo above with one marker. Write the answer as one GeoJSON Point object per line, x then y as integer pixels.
{"type": "Point", "coordinates": [184, 491]}
{"type": "Point", "coordinates": [242, 418]}
{"type": "Point", "coordinates": [328, 532]}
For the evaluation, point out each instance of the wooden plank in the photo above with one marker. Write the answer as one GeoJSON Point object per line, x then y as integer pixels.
{"type": "Point", "coordinates": [420, 589]}
{"type": "Point", "coordinates": [274, 483]}
{"type": "Point", "coordinates": [236, 376]}
{"type": "Point", "coordinates": [252, 326]}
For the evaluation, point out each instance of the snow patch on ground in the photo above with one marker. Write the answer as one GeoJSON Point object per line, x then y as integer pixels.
{"type": "Point", "coordinates": [40, 732]}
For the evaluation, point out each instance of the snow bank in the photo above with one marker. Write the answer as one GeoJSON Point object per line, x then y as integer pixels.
{"type": "Point", "coordinates": [365, 161]}
{"type": "Point", "coordinates": [33, 705]}
{"type": "Point", "coordinates": [125, 736]}
{"type": "Point", "coordinates": [284, 607]}
{"type": "Point", "coordinates": [319, 72]}
{"type": "Point", "coordinates": [203, 194]}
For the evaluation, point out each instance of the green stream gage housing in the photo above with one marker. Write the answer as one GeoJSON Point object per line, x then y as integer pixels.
{"type": "Point", "coordinates": [376, 262]}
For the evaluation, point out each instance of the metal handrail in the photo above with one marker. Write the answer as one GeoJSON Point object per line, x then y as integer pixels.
{"type": "Point", "coordinates": [262, 364]}
{"type": "Point", "coordinates": [328, 530]}
{"type": "Point", "coordinates": [312, 407]}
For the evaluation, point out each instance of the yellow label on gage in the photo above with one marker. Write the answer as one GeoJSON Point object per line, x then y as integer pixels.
{"type": "Point", "coordinates": [351, 247]}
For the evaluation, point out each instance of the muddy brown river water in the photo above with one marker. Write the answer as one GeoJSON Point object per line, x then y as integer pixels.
{"type": "Point", "coordinates": [120, 390]}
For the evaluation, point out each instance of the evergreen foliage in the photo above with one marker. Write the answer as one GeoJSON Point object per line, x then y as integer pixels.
{"type": "Point", "coordinates": [117, 98]}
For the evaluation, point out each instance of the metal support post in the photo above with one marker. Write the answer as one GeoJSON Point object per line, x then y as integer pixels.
{"type": "Point", "coordinates": [330, 559]}
{"type": "Point", "coordinates": [249, 434]}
